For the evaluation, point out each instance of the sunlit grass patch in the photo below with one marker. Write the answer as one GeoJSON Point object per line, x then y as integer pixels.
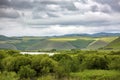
{"type": "Point", "coordinates": [97, 75]}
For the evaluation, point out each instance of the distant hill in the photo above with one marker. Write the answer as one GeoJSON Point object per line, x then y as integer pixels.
{"type": "Point", "coordinates": [5, 38]}
{"type": "Point", "coordinates": [115, 44]}
{"type": "Point", "coordinates": [97, 44]}
{"type": "Point", "coordinates": [2, 38]}
{"type": "Point", "coordinates": [48, 45]}
{"type": "Point", "coordinates": [7, 46]}
{"type": "Point", "coordinates": [24, 44]}
{"type": "Point", "coordinates": [102, 34]}
{"type": "Point", "coordinates": [81, 43]}
{"type": "Point", "coordinates": [70, 41]}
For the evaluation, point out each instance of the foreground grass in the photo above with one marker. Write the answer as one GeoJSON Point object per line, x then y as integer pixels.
{"type": "Point", "coordinates": [97, 75]}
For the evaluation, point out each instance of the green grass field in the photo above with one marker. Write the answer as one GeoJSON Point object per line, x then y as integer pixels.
{"type": "Point", "coordinates": [97, 75]}
{"type": "Point", "coordinates": [75, 42]}
{"type": "Point", "coordinates": [115, 44]}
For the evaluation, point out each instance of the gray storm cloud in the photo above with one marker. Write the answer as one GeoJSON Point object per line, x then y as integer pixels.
{"type": "Point", "coordinates": [40, 15]}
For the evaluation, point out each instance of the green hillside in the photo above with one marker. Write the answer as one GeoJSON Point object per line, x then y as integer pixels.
{"type": "Point", "coordinates": [115, 44]}
{"type": "Point", "coordinates": [7, 46]}
{"type": "Point", "coordinates": [97, 44]}
{"type": "Point", "coordinates": [48, 45]}
{"type": "Point", "coordinates": [24, 44]}
{"type": "Point", "coordinates": [60, 43]}
{"type": "Point", "coordinates": [3, 38]}
{"type": "Point", "coordinates": [81, 43]}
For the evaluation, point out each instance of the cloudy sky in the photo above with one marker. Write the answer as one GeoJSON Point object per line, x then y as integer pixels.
{"type": "Point", "coordinates": [58, 17]}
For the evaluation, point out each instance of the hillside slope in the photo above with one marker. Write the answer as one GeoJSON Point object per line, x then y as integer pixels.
{"type": "Point", "coordinates": [48, 45]}
{"type": "Point", "coordinates": [80, 43]}
{"type": "Point", "coordinates": [114, 44]}
{"type": "Point", "coordinates": [7, 46]}
{"type": "Point", "coordinates": [97, 44]}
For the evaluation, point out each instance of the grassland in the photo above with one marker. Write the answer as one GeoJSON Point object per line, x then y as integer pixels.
{"type": "Point", "coordinates": [74, 42]}
{"type": "Point", "coordinates": [115, 44]}
{"type": "Point", "coordinates": [7, 46]}
{"type": "Point", "coordinates": [48, 45]}
{"type": "Point", "coordinates": [97, 44]}
{"type": "Point", "coordinates": [97, 75]}
{"type": "Point", "coordinates": [64, 65]}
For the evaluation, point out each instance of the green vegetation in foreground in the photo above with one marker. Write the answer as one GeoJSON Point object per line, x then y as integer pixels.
{"type": "Point", "coordinates": [97, 75]}
{"type": "Point", "coordinates": [64, 65]}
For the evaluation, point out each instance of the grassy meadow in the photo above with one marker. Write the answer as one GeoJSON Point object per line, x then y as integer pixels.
{"type": "Point", "coordinates": [75, 58]}
{"type": "Point", "coordinates": [58, 43]}
{"type": "Point", "coordinates": [71, 64]}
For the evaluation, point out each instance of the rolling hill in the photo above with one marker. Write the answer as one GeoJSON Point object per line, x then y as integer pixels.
{"type": "Point", "coordinates": [101, 34]}
{"type": "Point", "coordinates": [24, 44]}
{"type": "Point", "coordinates": [81, 43]}
{"type": "Point", "coordinates": [7, 46]}
{"type": "Point", "coordinates": [97, 44]}
{"type": "Point", "coordinates": [115, 44]}
{"type": "Point", "coordinates": [59, 43]}
{"type": "Point", "coordinates": [48, 45]}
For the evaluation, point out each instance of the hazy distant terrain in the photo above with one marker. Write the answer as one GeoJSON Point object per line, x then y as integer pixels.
{"type": "Point", "coordinates": [65, 42]}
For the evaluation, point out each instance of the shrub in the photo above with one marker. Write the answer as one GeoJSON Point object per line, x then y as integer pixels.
{"type": "Point", "coordinates": [44, 65]}
{"type": "Point", "coordinates": [95, 62]}
{"type": "Point", "coordinates": [8, 76]}
{"type": "Point", "coordinates": [115, 63]}
{"type": "Point", "coordinates": [26, 72]}
{"type": "Point", "coordinates": [14, 63]}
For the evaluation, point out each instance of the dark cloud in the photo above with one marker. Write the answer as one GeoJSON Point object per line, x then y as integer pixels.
{"type": "Point", "coordinates": [44, 2]}
{"type": "Point", "coordinates": [16, 4]}
{"type": "Point", "coordinates": [52, 14]}
{"type": "Point", "coordinates": [70, 15]}
{"type": "Point", "coordinates": [69, 6]}
{"type": "Point", "coordinates": [8, 13]}
{"type": "Point", "coordinates": [4, 3]}
{"type": "Point", "coordinates": [21, 4]}
{"type": "Point", "coordinates": [114, 4]}
{"type": "Point", "coordinates": [95, 8]}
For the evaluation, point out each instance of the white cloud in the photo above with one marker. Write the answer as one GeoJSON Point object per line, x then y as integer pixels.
{"type": "Point", "coordinates": [65, 16]}
{"type": "Point", "coordinates": [119, 3]}
{"type": "Point", "coordinates": [56, 30]}
{"type": "Point", "coordinates": [53, 7]}
{"type": "Point", "coordinates": [75, 19]}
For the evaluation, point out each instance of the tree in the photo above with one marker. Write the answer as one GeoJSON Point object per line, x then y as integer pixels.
{"type": "Point", "coordinates": [43, 65]}
{"type": "Point", "coordinates": [65, 61]}
{"type": "Point", "coordinates": [2, 56]}
{"type": "Point", "coordinates": [95, 62]}
{"type": "Point", "coordinates": [26, 72]}
{"type": "Point", "coordinates": [14, 63]}
{"type": "Point", "coordinates": [114, 63]}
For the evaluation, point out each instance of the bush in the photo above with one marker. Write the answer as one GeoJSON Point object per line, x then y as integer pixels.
{"type": "Point", "coordinates": [26, 72]}
{"type": "Point", "coordinates": [8, 76]}
{"type": "Point", "coordinates": [48, 77]}
{"type": "Point", "coordinates": [95, 62]}
{"type": "Point", "coordinates": [44, 65]}
{"type": "Point", "coordinates": [12, 52]}
{"type": "Point", "coordinates": [14, 63]}
{"type": "Point", "coordinates": [65, 61]}
{"type": "Point", "coordinates": [115, 63]}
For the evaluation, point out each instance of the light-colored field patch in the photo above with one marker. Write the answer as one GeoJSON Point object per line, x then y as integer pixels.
{"type": "Point", "coordinates": [108, 39]}
{"type": "Point", "coordinates": [97, 75]}
{"type": "Point", "coordinates": [71, 38]}
{"type": "Point", "coordinates": [62, 39]}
